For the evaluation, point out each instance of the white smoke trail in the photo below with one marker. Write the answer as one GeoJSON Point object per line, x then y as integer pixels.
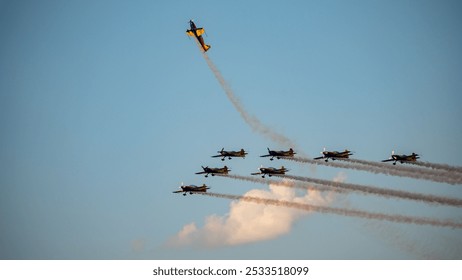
{"type": "Point", "coordinates": [439, 166]}
{"type": "Point", "coordinates": [255, 124]}
{"type": "Point", "coordinates": [395, 237]}
{"type": "Point", "coordinates": [438, 175]}
{"type": "Point", "coordinates": [381, 191]}
{"type": "Point", "coordinates": [382, 168]}
{"type": "Point", "coordinates": [341, 186]}
{"type": "Point", "coordinates": [341, 211]}
{"type": "Point", "coordinates": [286, 183]}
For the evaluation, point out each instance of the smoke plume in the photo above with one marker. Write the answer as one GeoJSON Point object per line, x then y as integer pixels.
{"type": "Point", "coordinates": [438, 166]}
{"type": "Point", "coordinates": [452, 178]}
{"type": "Point", "coordinates": [382, 191]}
{"type": "Point", "coordinates": [339, 211]}
{"type": "Point", "coordinates": [255, 124]}
{"type": "Point", "coordinates": [291, 183]}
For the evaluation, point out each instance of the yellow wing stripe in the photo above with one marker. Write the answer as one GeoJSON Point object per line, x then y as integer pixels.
{"type": "Point", "coordinates": [200, 31]}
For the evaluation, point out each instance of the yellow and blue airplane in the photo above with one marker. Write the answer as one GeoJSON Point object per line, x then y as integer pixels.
{"type": "Point", "coordinates": [197, 32]}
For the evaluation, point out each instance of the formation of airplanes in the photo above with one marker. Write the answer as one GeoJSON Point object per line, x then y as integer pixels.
{"type": "Point", "coordinates": [270, 171]}
{"type": "Point", "coordinates": [197, 33]}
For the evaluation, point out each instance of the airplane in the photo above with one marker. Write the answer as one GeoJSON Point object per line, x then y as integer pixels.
{"type": "Point", "coordinates": [230, 154]}
{"type": "Point", "coordinates": [197, 32]}
{"type": "Point", "coordinates": [213, 171]}
{"type": "Point", "coordinates": [279, 154]}
{"type": "Point", "coordinates": [402, 158]}
{"type": "Point", "coordinates": [334, 155]}
{"type": "Point", "coordinates": [191, 189]}
{"type": "Point", "coordinates": [270, 171]}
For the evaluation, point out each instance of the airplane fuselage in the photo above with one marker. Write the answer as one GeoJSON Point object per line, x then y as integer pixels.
{"type": "Point", "coordinates": [334, 155]}
{"type": "Point", "coordinates": [213, 171]}
{"type": "Point", "coordinates": [279, 154]}
{"type": "Point", "coordinates": [192, 189]}
{"type": "Point", "coordinates": [231, 154]}
{"type": "Point", "coordinates": [271, 171]}
{"type": "Point", "coordinates": [402, 158]}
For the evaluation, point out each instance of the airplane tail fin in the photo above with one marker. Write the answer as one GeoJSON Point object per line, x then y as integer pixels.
{"type": "Point", "coordinates": [206, 47]}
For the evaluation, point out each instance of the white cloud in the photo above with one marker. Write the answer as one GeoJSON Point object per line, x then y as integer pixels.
{"type": "Point", "coordinates": [250, 222]}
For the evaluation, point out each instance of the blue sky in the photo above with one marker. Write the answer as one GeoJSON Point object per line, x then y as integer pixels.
{"type": "Point", "coordinates": [107, 106]}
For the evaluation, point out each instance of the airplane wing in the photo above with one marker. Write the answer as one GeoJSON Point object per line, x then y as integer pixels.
{"type": "Point", "coordinates": [202, 172]}
{"type": "Point", "coordinates": [177, 191]}
{"type": "Point", "coordinates": [266, 156]}
{"type": "Point", "coordinates": [390, 159]}
{"type": "Point", "coordinates": [318, 157]}
{"type": "Point", "coordinates": [190, 32]}
{"type": "Point", "coordinates": [217, 156]}
{"type": "Point", "coordinates": [256, 173]}
{"type": "Point", "coordinates": [200, 31]}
